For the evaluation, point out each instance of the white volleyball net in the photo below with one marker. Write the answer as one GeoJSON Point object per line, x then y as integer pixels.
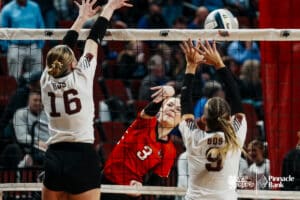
{"type": "Point", "coordinates": [119, 95]}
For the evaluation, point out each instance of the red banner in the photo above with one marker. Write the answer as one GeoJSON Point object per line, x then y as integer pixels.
{"type": "Point", "coordinates": [280, 70]}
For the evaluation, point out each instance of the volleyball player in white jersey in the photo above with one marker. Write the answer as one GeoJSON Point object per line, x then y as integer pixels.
{"type": "Point", "coordinates": [71, 164]}
{"type": "Point", "coordinates": [213, 143]}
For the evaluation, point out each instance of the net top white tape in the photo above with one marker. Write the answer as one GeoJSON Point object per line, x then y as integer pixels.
{"type": "Point", "coordinates": [159, 34]}
{"type": "Point", "coordinates": [156, 190]}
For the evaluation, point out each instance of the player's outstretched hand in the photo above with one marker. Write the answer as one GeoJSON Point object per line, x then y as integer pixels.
{"type": "Point", "coordinates": [211, 54]}
{"type": "Point", "coordinates": [136, 184]}
{"type": "Point", "coordinates": [116, 4]}
{"type": "Point", "coordinates": [192, 56]}
{"type": "Point", "coordinates": [161, 93]}
{"type": "Point", "coordinates": [86, 9]}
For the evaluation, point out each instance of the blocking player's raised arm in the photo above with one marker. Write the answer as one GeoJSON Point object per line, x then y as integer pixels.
{"type": "Point", "coordinates": [193, 59]}
{"type": "Point", "coordinates": [99, 28]}
{"type": "Point", "coordinates": [231, 90]}
{"type": "Point", "coordinates": [213, 57]}
{"type": "Point", "coordinates": [86, 11]}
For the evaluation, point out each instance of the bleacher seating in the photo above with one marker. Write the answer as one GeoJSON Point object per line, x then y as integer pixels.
{"type": "Point", "coordinates": [135, 87]}
{"type": "Point", "coordinates": [116, 87]}
{"type": "Point", "coordinates": [139, 105]}
{"type": "Point", "coordinates": [4, 67]}
{"type": "Point", "coordinates": [113, 132]}
{"type": "Point", "coordinates": [8, 86]}
{"type": "Point", "coordinates": [65, 23]}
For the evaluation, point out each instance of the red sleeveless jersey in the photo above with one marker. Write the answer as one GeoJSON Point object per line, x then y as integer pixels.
{"type": "Point", "coordinates": [138, 152]}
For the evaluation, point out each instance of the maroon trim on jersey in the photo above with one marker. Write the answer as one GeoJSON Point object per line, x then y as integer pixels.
{"type": "Point", "coordinates": [237, 121]}
{"type": "Point", "coordinates": [239, 117]}
{"type": "Point", "coordinates": [89, 57]}
{"type": "Point", "coordinates": [200, 123]}
{"type": "Point", "coordinates": [190, 123]}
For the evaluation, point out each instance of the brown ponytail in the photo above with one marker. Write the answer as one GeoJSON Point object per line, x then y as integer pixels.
{"type": "Point", "coordinates": [217, 113]}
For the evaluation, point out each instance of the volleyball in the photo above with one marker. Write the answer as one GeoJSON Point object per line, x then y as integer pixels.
{"type": "Point", "coordinates": [221, 19]}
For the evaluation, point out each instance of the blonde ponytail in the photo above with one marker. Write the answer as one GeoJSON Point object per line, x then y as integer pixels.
{"type": "Point", "coordinates": [59, 60]}
{"type": "Point", "coordinates": [56, 69]}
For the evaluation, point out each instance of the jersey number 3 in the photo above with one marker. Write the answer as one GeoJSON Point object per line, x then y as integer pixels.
{"type": "Point", "coordinates": [142, 155]}
{"type": "Point", "coordinates": [69, 98]}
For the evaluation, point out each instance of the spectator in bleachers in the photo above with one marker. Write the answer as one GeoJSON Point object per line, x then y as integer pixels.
{"type": "Point", "coordinates": [22, 55]}
{"type": "Point", "coordinates": [165, 51]}
{"type": "Point", "coordinates": [210, 89]}
{"type": "Point", "coordinates": [248, 9]}
{"type": "Point", "coordinates": [154, 17]}
{"type": "Point", "coordinates": [259, 170]}
{"type": "Point", "coordinates": [66, 9]}
{"type": "Point", "coordinates": [210, 4]}
{"type": "Point", "coordinates": [130, 61]}
{"type": "Point", "coordinates": [11, 156]}
{"type": "Point", "coordinates": [251, 87]}
{"type": "Point", "coordinates": [48, 12]}
{"type": "Point", "coordinates": [177, 65]}
{"type": "Point", "coordinates": [291, 167]}
{"type": "Point", "coordinates": [232, 65]}
{"type": "Point", "coordinates": [241, 51]}
{"type": "Point", "coordinates": [27, 135]}
{"type": "Point", "coordinates": [243, 167]}
{"type": "Point", "coordinates": [200, 16]}
{"type": "Point", "coordinates": [19, 99]}
{"type": "Point", "coordinates": [239, 7]}
{"type": "Point", "coordinates": [171, 10]}
{"type": "Point", "coordinates": [180, 23]}
{"type": "Point", "coordinates": [156, 77]}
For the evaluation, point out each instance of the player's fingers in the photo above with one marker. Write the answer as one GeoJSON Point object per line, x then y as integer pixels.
{"type": "Point", "coordinates": [214, 46]}
{"type": "Point", "coordinates": [201, 61]}
{"type": "Point", "coordinates": [203, 47]}
{"type": "Point", "coordinates": [93, 2]}
{"type": "Point", "coordinates": [127, 4]}
{"type": "Point", "coordinates": [190, 43]}
{"type": "Point", "coordinates": [198, 45]}
{"type": "Point", "coordinates": [182, 48]}
{"type": "Point", "coordinates": [187, 49]}
{"type": "Point", "coordinates": [97, 9]}
{"type": "Point", "coordinates": [208, 46]}
{"type": "Point", "coordinates": [199, 51]}
{"type": "Point", "coordinates": [157, 93]}
{"type": "Point", "coordinates": [157, 99]}
{"type": "Point", "coordinates": [77, 4]}
{"type": "Point", "coordinates": [155, 87]}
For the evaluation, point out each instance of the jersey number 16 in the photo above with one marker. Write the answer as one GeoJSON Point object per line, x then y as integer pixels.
{"type": "Point", "coordinates": [69, 97]}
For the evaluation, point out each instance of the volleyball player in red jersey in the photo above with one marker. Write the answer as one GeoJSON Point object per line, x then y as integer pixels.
{"type": "Point", "coordinates": [145, 146]}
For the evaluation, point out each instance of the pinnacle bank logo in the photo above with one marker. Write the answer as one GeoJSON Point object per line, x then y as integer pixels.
{"type": "Point", "coordinates": [277, 182]}
{"type": "Point", "coordinates": [259, 182]}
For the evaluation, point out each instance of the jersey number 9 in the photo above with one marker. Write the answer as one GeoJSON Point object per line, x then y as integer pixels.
{"type": "Point", "coordinates": [215, 163]}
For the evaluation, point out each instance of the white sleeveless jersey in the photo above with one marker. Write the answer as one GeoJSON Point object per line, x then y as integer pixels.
{"type": "Point", "coordinates": [211, 179]}
{"type": "Point", "coordinates": [68, 103]}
